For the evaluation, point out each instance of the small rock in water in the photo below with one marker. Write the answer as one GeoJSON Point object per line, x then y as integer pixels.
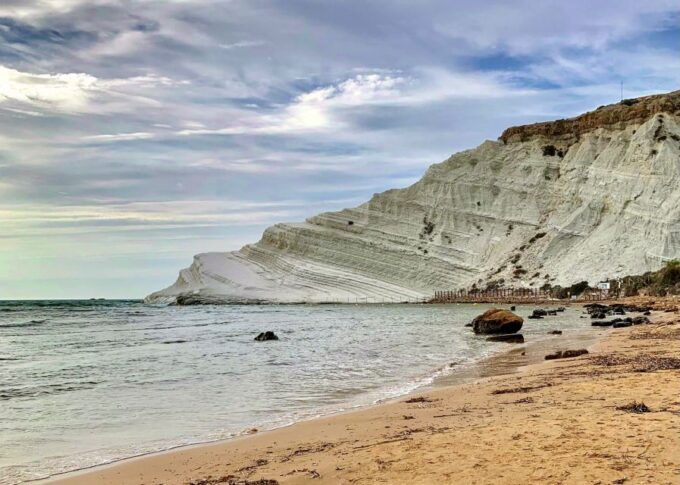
{"type": "Point", "coordinates": [555, 332]}
{"type": "Point", "coordinates": [515, 338]}
{"type": "Point", "coordinates": [539, 312]}
{"type": "Point", "coordinates": [264, 336]}
{"type": "Point", "coordinates": [622, 324]}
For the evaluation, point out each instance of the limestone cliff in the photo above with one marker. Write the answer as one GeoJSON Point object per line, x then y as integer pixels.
{"type": "Point", "coordinates": [588, 198]}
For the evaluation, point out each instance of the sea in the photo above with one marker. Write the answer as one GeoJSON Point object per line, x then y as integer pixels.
{"type": "Point", "coordinates": [90, 382]}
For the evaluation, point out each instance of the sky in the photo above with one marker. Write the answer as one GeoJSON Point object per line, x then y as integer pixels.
{"type": "Point", "coordinates": [137, 133]}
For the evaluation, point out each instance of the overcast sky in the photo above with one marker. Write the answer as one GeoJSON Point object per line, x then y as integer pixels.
{"type": "Point", "coordinates": [136, 133]}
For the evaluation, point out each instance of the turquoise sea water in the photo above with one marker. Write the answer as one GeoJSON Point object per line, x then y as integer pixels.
{"type": "Point", "coordinates": [89, 382]}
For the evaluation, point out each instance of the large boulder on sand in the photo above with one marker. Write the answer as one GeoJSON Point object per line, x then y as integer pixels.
{"type": "Point", "coordinates": [497, 321]}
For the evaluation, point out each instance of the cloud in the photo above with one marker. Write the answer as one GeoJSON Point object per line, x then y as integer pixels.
{"type": "Point", "coordinates": [326, 108]}
{"type": "Point", "coordinates": [120, 137]}
{"type": "Point", "coordinates": [75, 92]}
{"type": "Point", "coordinates": [66, 92]}
{"type": "Point", "coordinates": [24, 112]}
{"type": "Point", "coordinates": [242, 43]}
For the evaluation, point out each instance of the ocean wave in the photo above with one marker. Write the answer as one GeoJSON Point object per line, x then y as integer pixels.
{"type": "Point", "coordinates": [30, 323]}
{"type": "Point", "coordinates": [35, 391]}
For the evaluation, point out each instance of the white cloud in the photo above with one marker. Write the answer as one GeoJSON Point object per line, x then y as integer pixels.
{"type": "Point", "coordinates": [527, 26]}
{"type": "Point", "coordinates": [142, 135]}
{"type": "Point", "coordinates": [29, 8]}
{"type": "Point", "coordinates": [24, 112]}
{"type": "Point", "coordinates": [64, 92]}
{"type": "Point", "coordinates": [325, 108]}
{"type": "Point", "coordinates": [314, 110]}
{"type": "Point", "coordinates": [78, 92]}
{"type": "Point", "coordinates": [180, 212]}
{"type": "Point", "coordinates": [242, 43]}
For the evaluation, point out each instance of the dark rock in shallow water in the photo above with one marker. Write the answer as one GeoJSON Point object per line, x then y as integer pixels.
{"type": "Point", "coordinates": [513, 338]}
{"type": "Point", "coordinates": [512, 308]}
{"type": "Point", "coordinates": [640, 320]}
{"type": "Point", "coordinates": [496, 321]}
{"type": "Point", "coordinates": [598, 316]}
{"type": "Point", "coordinates": [647, 313]}
{"type": "Point", "coordinates": [560, 309]}
{"type": "Point", "coordinates": [534, 317]}
{"type": "Point", "coordinates": [264, 336]}
{"type": "Point", "coordinates": [468, 324]}
{"type": "Point", "coordinates": [539, 312]}
{"type": "Point", "coordinates": [622, 324]}
{"type": "Point", "coordinates": [602, 323]}
{"type": "Point", "coordinates": [565, 354]}
{"type": "Point", "coordinates": [555, 332]}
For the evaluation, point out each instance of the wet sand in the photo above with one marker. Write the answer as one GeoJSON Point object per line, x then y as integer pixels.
{"type": "Point", "coordinates": [548, 422]}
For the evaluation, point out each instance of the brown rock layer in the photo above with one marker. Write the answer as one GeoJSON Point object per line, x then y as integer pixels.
{"type": "Point", "coordinates": [613, 116]}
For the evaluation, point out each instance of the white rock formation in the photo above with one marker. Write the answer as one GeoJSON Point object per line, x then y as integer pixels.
{"type": "Point", "coordinates": [589, 198]}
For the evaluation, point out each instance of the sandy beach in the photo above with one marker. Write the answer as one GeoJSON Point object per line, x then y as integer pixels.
{"type": "Point", "coordinates": [611, 416]}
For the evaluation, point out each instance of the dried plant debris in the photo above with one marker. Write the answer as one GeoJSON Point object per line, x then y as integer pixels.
{"type": "Point", "coordinates": [420, 399]}
{"type": "Point", "coordinates": [673, 334]}
{"type": "Point", "coordinates": [566, 354]}
{"type": "Point", "coordinates": [310, 449]}
{"type": "Point", "coordinates": [259, 462]}
{"type": "Point", "coordinates": [634, 407]}
{"type": "Point", "coordinates": [520, 389]}
{"type": "Point", "coordinates": [639, 363]}
{"type": "Point", "coordinates": [311, 473]}
{"type": "Point", "coordinates": [232, 480]}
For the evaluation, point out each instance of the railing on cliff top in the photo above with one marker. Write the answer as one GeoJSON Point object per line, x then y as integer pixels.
{"type": "Point", "coordinates": [514, 295]}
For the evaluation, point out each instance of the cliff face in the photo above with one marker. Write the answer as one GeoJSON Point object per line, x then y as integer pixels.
{"type": "Point", "coordinates": [589, 198]}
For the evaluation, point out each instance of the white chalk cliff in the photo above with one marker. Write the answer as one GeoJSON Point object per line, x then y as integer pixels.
{"type": "Point", "coordinates": [589, 198]}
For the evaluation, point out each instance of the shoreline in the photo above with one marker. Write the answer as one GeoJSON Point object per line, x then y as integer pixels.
{"type": "Point", "coordinates": [504, 363]}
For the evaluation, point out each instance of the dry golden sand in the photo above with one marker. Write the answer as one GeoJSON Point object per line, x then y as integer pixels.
{"type": "Point", "coordinates": [553, 423]}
